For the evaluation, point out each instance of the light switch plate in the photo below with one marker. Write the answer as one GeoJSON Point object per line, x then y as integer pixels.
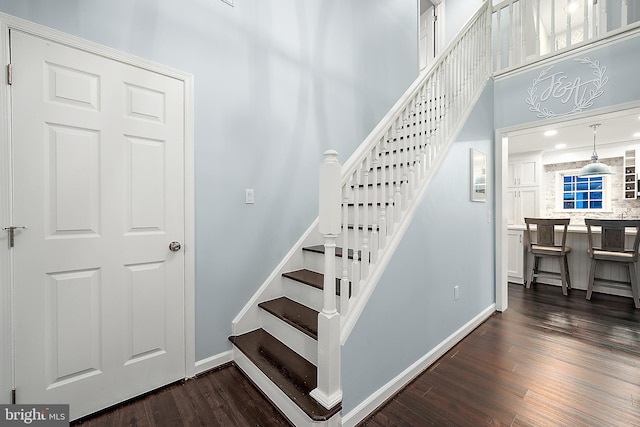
{"type": "Point", "coordinates": [248, 196]}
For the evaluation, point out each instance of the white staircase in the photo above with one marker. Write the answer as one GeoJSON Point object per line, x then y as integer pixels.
{"type": "Point", "coordinates": [287, 338]}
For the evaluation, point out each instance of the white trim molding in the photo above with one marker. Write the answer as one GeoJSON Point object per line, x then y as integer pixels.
{"type": "Point", "coordinates": [392, 387]}
{"type": "Point", "coordinates": [501, 162]}
{"type": "Point", "coordinates": [212, 362]}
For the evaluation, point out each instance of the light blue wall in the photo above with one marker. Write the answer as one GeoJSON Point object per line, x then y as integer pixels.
{"type": "Point", "coordinates": [622, 62]}
{"type": "Point", "coordinates": [276, 83]}
{"type": "Point", "coordinates": [450, 242]}
{"type": "Point", "coordinates": [457, 13]}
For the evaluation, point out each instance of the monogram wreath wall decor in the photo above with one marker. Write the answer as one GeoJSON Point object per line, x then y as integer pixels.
{"type": "Point", "coordinates": [579, 94]}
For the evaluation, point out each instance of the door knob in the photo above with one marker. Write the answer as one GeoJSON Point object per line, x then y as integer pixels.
{"type": "Point", "coordinates": [174, 246]}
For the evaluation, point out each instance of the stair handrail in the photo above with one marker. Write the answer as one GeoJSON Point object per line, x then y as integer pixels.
{"type": "Point", "coordinates": [415, 134]}
{"type": "Point", "coordinates": [363, 149]}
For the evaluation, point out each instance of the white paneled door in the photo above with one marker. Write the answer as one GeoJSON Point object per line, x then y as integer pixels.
{"type": "Point", "coordinates": [99, 184]}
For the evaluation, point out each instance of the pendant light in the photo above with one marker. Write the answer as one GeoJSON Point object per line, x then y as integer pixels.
{"type": "Point", "coordinates": [595, 167]}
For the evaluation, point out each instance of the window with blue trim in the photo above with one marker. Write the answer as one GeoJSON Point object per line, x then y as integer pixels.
{"type": "Point", "coordinates": [581, 193]}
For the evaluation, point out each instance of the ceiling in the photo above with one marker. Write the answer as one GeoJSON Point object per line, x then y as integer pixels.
{"type": "Point", "coordinates": [618, 127]}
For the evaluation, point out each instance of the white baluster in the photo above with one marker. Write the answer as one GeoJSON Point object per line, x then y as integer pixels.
{"type": "Point", "coordinates": [512, 36]}
{"type": "Point", "coordinates": [403, 158]}
{"type": "Point", "coordinates": [523, 32]}
{"type": "Point", "coordinates": [585, 21]}
{"type": "Point", "coordinates": [604, 25]}
{"type": "Point", "coordinates": [568, 32]}
{"type": "Point", "coordinates": [422, 140]}
{"type": "Point", "coordinates": [498, 32]}
{"type": "Point", "coordinates": [430, 123]}
{"type": "Point", "coordinates": [344, 280]}
{"type": "Point", "coordinates": [435, 142]}
{"type": "Point", "coordinates": [355, 264]}
{"type": "Point", "coordinates": [425, 128]}
{"type": "Point", "coordinates": [386, 221]}
{"type": "Point", "coordinates": [364, 256]}
{"type": "Point", "coordinates": [396, 160]}
{"type": "Point", "coordinates": [624, 13]}
{"type": "Point", "coordinates": [459, 65]}
{"type": "Point", "coordinates": [553, 44]}
{"type": "Point", "coordinates": [595, 27]}
{"type": "Point", "coordinates": [328, 392]}
{"type": "Point", "coordinates": [538, 26]}
{"type": "Point", "coordinates": [448, 96]}
{"type": "Point", "coordinates": [389, 182]}
{"type": "Point", "coordinates": [487, 44]}
{"type": "Point", "coordinates": [375, 243]}
{"type": "Point", "coordinates": [411, 175]}
{"type": "Point", "coordinates": [446, 99]}
{"type": "Point", "coordinates": [465, 69]}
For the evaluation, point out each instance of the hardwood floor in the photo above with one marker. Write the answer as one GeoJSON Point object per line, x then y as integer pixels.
{"type": "Point", "coordinates": [548, 360]}
{"type": "Point", "coordinates": [223, 397]}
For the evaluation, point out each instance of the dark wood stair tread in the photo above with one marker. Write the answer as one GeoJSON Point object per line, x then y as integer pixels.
{"type": "Point", "coordinates": [311, 278]}
{"type": "Point", "coordinates": [370, 204]}
{"type": "Point", "coordinates": [293, 374]}
{"type": "Point", "coordinates": [351, 227]}
{"type": "Point", "coordinates": [386, 183]}
{"type": "Point", "coordinates": [295, 314]}
{"type": "Point", "coordinates": [319, 249]}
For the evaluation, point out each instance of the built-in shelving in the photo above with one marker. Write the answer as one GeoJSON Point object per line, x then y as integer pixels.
{"type": "Point", "coordinates": [630, 181]}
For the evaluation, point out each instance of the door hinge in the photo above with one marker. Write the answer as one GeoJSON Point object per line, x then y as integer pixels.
{"type": "Point", "coordinates": [9, 74]}
{"type": "Point", "coordinates": [435, 18]}
{"type": "Point", "coordinates": [13, 396]}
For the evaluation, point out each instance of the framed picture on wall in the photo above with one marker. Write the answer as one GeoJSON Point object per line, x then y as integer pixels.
{"type": "Point", "coordinates": [478, 176]}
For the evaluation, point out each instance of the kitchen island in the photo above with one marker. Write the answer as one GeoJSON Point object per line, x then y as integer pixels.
{"type": "Point", "coordinates": [578, 259]}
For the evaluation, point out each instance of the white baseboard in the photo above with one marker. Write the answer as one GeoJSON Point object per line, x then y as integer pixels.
{"type": "Point", "coordinates": [213, 362]}
{"type": "Point", "coordinates": [392, 387]}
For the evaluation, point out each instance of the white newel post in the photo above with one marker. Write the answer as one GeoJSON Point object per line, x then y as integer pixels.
{"type": "Point", "coordinates": [328, 392]}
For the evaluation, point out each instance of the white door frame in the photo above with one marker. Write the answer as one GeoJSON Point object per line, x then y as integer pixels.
{"type": "Point", "coordinates": [7, 22]}
{"type": "Point", "coordinates": [438, 34]}
{"type": "Point", "coordinates": [501, 164]}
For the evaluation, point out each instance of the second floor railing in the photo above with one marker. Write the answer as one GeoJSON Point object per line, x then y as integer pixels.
{"type": "Point", "coordinates": [525, 31]}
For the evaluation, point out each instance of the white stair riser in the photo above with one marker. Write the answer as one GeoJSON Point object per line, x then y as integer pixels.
{"type": "Point", "coordinates": [372, 212]}
{"type": "Point", "coordinates": [315, 261]}
{"type": "Point", "coordinates": [303, 294]}
{"type": "Point", "coordinates": [309, 296]}
{"type": "Point", "coordinates": [350, 238]}
{"type": "Point", "coordinates": [389, 191]}
{"type": "Point", "coordinates": [296, 340]}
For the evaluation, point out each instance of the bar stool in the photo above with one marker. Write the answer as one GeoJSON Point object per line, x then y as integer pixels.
{"type": "Point", "coordinates": [544, 246]}
{"type": "Point", "coordinates": [613, 248]}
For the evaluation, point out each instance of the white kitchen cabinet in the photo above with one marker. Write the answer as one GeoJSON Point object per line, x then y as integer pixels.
{"type": "Point", "coordinates": [515, 256]}
{"type": "Point", "coordinates": [523, 192]}
{"type": "Point", "coordinates": [521, 203]}
{"type": "Point", "coordinates": [524, 173]}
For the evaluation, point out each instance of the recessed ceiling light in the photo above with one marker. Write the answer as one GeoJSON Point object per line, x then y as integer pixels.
{"type": "Point", "coordinates": [550, 132]}
{"type": "Point", "coordinates": [636, 135]}
{"type": "Point", "coordinates": [561, 145]}
{"type": "Point", "coordinates": [572, 7]}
